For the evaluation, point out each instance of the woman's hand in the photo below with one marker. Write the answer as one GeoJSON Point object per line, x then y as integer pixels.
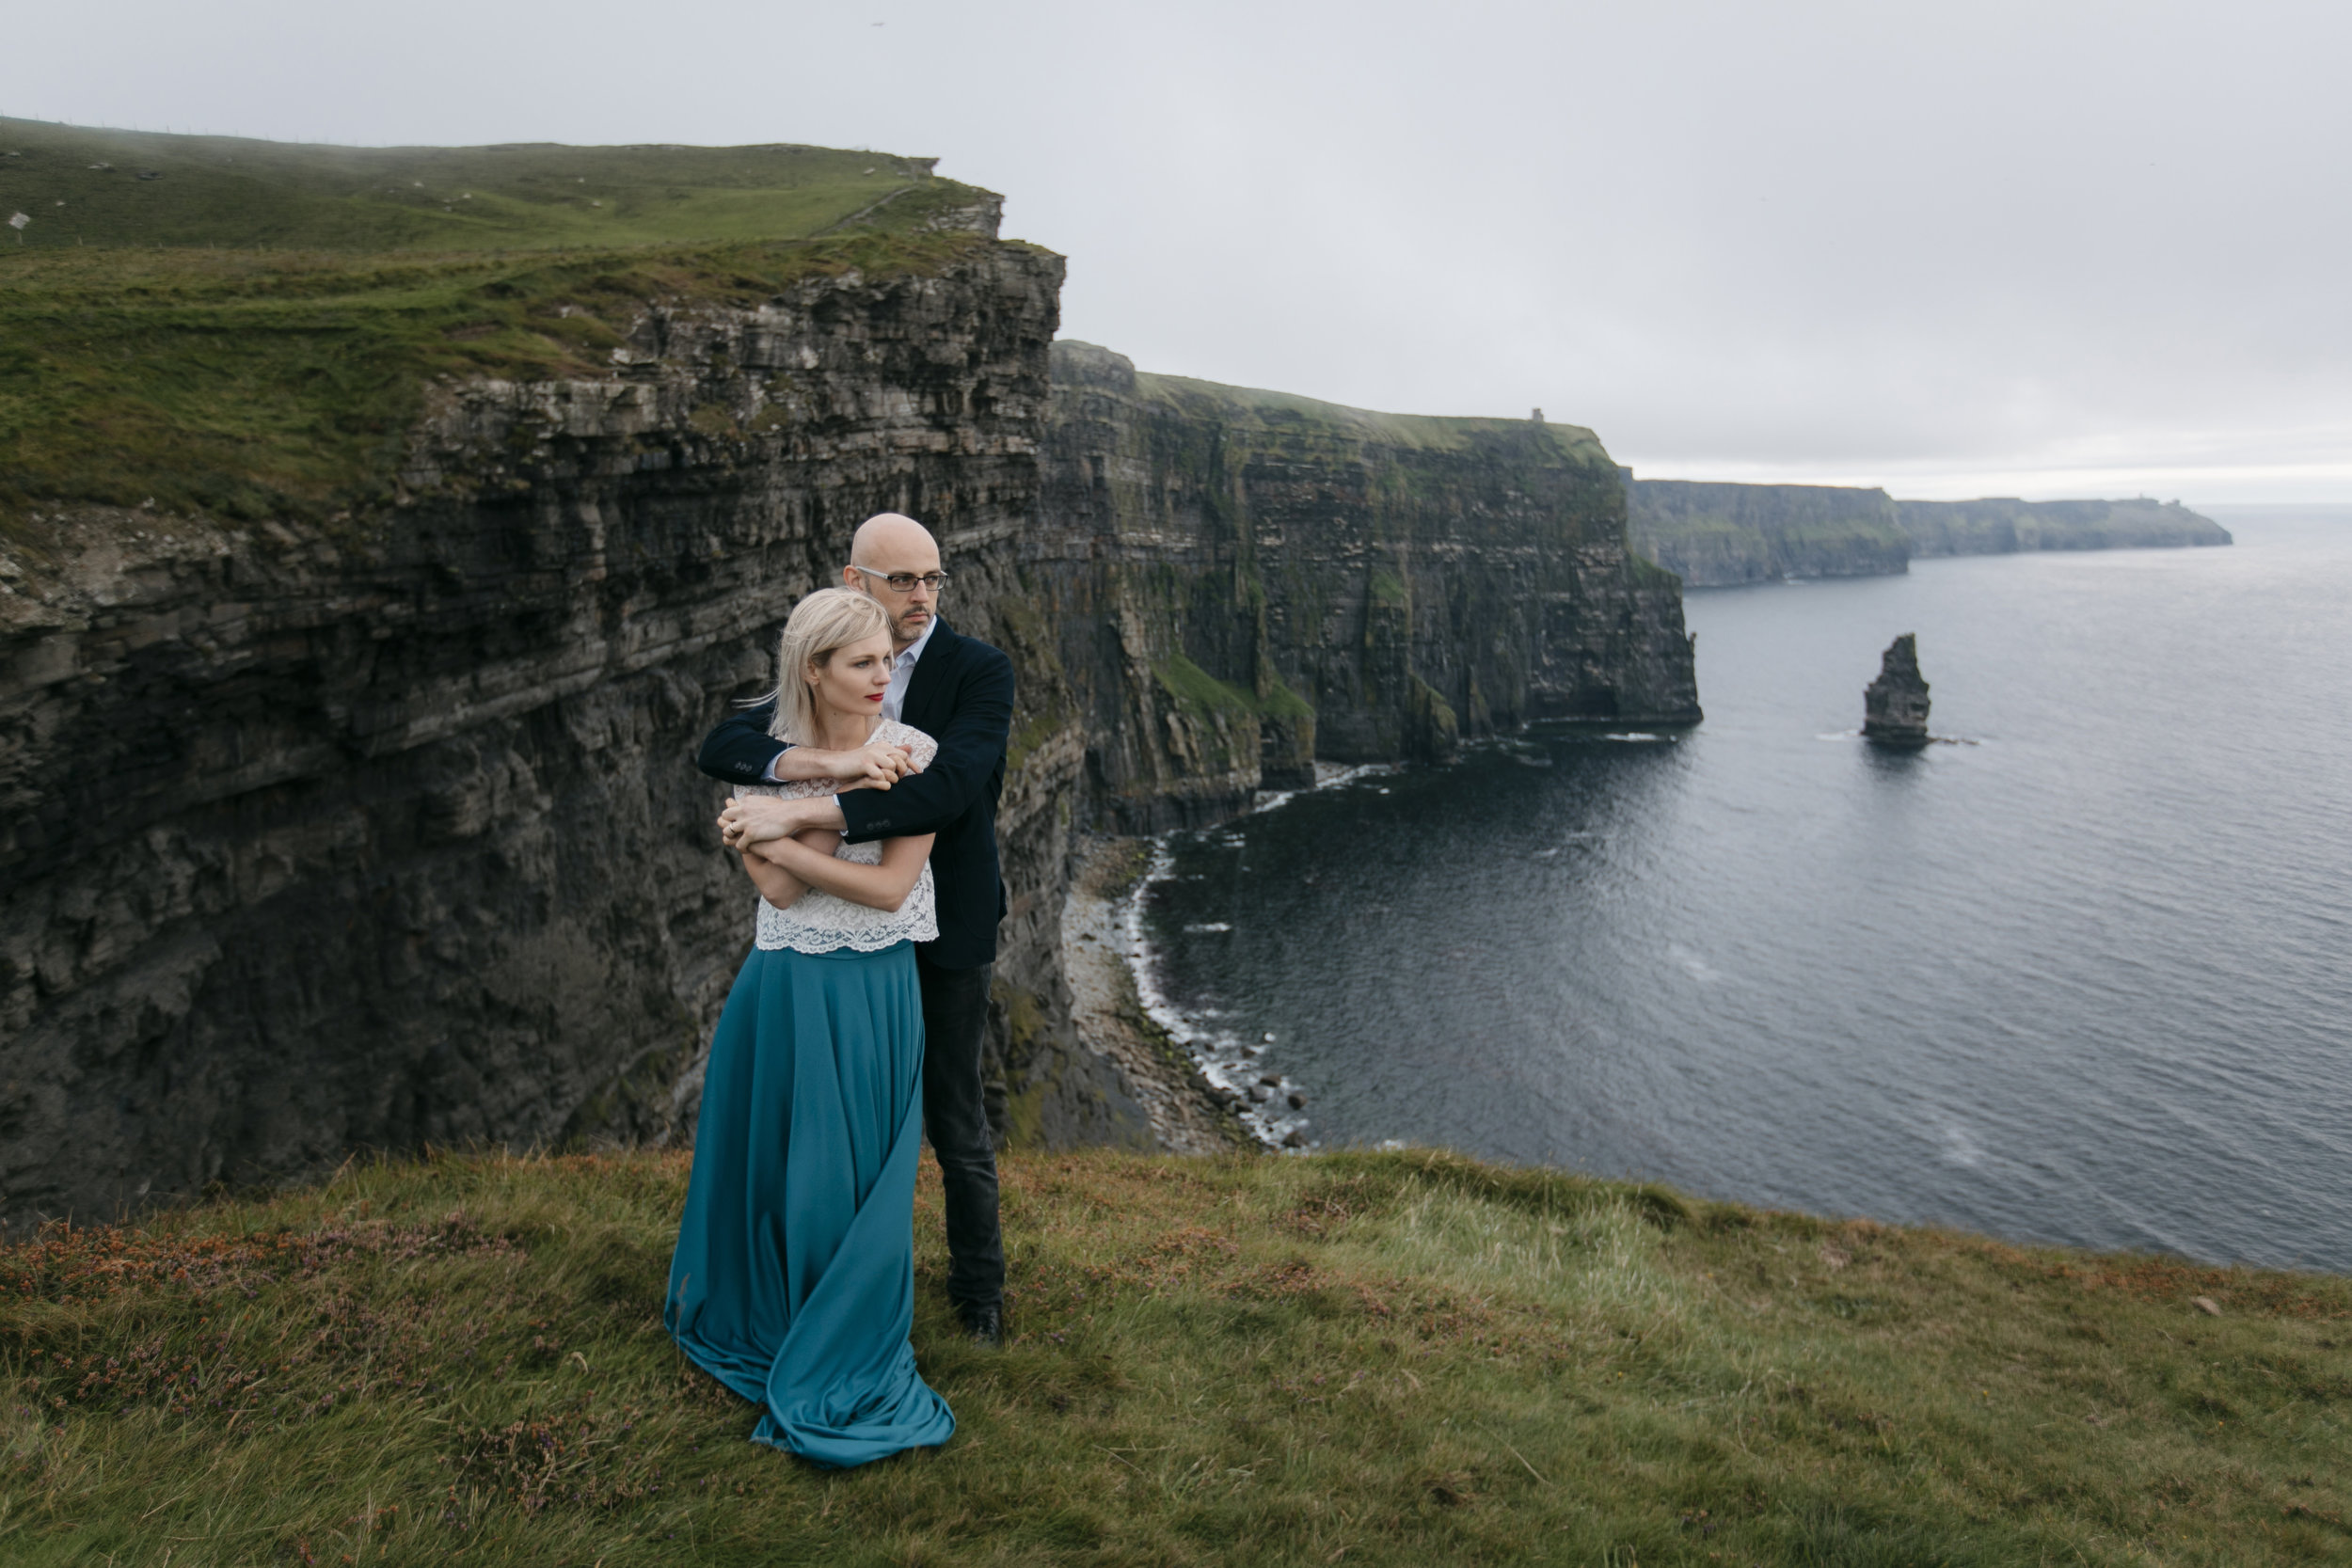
{"type": "Point", "coordinates": [757, 818]}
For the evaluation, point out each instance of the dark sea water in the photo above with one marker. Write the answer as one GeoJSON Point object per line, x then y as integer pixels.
{"type": "Point", "coordinates": [2086, 979]}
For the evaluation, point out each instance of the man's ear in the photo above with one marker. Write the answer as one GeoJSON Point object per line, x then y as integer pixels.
{"type": "Point", "coordinates": [849, 578]}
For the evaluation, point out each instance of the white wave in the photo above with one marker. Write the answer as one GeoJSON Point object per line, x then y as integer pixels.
{"type": "Point", "coordinates": [1215, 1053]}
{"type": "Point", "coordinates": [1692, 965]}
{"type": "Point", "coordinates": [1959, 1147]}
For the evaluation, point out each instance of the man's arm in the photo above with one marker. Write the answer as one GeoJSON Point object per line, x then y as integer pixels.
{"type": "Point", "coordinates": [969, 753]}
{"type": "Point", "coordinates": [740, 751]}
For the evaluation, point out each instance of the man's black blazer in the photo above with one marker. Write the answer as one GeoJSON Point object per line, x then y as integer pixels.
{"type": "Point", "coordinates": [961, 695]}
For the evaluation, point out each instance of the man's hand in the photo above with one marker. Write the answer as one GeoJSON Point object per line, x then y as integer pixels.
{"type": "Point", "coordinates": [746, 822]}
{"type": "Point", "coordinates": [876, 765]}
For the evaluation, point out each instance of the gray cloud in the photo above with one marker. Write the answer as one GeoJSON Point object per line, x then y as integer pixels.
{"type": "Point", "coordinates": [2034, 249]}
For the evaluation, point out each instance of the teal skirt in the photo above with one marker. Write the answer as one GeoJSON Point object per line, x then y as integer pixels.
{"type": "Point", "coordinates": [793, 1281]}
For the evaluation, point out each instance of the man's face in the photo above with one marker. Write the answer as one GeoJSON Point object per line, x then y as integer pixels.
{"type": "Point", "coordinates": [911, 610]}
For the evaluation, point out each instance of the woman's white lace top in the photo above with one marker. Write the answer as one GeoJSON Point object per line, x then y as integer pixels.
{"type": "Point", "coordinates": [819, 923]}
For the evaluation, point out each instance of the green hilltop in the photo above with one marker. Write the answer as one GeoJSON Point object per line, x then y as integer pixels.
{"type": "Point", "coordinates": [246, 327]}
{"type": "Point", "coordinates": [1277, 413]}
{"type": "Point", "coordinates": [84, 187]}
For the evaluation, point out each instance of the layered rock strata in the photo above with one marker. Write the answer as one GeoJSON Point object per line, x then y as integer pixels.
{"type": "Point", "coordinates": [383, 833]}
{"type": "Point", "coordinates": [1721, 535]}
{"type": "Point", "coordinates": [1725, 535]}
{"type": "Point", "coordinates": [1242, 581]}
{"type": "Point", "coordinates": [1998, 526]}
{"type": "Point", "coordinates": [1895, 705]}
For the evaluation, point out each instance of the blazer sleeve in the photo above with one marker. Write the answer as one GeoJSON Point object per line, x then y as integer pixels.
{"type": "Point", "coordinates": [971, 749]}
{"type": "Point", "coordinates": [739, 750]}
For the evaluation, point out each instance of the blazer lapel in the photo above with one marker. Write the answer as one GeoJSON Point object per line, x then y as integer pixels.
{"type": "Point", "coordinates": [929, 679]}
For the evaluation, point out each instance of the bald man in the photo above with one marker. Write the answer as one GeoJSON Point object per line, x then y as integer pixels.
{"type": "Point", "coordinates": [958, 690]}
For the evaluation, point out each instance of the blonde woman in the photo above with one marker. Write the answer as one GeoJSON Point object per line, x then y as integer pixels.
{"type": "Point", "coordinates": [793, 1280]}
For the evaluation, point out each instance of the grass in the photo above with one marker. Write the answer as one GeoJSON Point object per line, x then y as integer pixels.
{"type": "Point", "coordinates": [1268, 414]}
{"type": "Point", "coordinates": [82, 187]}
{"type": "Point", "coordinates": [1200, 695]}
{"type": "Point", "coordinates": [1362, 1358]}
{"type": "Point", "coordinates": [254, 333]}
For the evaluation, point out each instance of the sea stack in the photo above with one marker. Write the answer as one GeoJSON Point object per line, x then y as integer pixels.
{"type": "Point", "coordinates": [1895, 705]}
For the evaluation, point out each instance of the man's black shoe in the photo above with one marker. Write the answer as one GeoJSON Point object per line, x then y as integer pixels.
{"type": "Point", "coordinates": [986, 1324]}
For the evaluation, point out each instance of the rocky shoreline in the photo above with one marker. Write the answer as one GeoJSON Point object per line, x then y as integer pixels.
{"type": "Point", "coordinates": [1189, 1113]}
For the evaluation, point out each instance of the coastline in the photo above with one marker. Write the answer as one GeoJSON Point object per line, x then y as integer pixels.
{"type": "Point", "coordinates": [1206, 1089]}
{"type": "Point", "coordinates": [1189, 1115]}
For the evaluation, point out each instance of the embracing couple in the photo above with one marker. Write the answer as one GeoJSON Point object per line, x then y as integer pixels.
{"type": "Point", "coordinates": [865, 817]}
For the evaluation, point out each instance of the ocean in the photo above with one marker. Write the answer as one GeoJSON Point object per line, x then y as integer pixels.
{"type": "Point", "coordinates": [2081, 972]}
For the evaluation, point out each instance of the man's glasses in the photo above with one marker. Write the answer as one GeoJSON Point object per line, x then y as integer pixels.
{"type": "Point", "coordinates": [904, 582]}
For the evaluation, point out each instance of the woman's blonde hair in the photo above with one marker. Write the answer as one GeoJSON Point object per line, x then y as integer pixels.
{"type": "Point", "coordinates": [822, 624]}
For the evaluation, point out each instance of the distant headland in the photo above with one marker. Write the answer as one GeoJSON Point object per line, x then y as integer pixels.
{"type": "Point", "coordinates": [1721, 535]}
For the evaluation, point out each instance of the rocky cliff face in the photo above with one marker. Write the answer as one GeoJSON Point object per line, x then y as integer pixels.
{"type": "Point", "coordinates": [1998, 526]}
{"type": "Point", "coordinates": [1243, 581]}
{"type": "Point", "coordinates": [1895, 705]}
{"type": "Point", "coordinates": [1720, 535]}
{"type": "Point", "coordinates": [382, 831]}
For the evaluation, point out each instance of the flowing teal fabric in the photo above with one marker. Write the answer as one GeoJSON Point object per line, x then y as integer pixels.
{"type": "Point", "coordinates": [793, 1281]}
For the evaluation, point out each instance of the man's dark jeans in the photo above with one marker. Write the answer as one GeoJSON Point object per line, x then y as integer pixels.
{"type": "Point", "coordinates": [955, 1119]}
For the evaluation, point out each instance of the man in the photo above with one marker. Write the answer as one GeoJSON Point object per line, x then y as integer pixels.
{"type": "Point", "coordinates": [958, 690]}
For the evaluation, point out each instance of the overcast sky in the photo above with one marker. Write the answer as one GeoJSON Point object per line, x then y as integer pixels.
{"type": "Point", "coordinates": [2051, 249]}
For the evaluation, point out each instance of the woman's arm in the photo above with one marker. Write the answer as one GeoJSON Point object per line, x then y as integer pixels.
{"type": "Point", "coordinates": [779, 886]}
{"type": "Point", "coordinates": [877, 887]}
{"type": "Point", "coordinates": [776, 885]}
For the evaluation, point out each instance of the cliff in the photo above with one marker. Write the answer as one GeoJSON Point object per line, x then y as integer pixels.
{"type": "Point", "coordinates": [1999, 526]}
{"type": "Point", "coordinates": [1721, 535]}
{"type": "Point", "coordinates": [374, 827]}
{"type": "Point", "coordinates": [1242, 581]}
{"type": "Point", "coordinates": [360, 612]}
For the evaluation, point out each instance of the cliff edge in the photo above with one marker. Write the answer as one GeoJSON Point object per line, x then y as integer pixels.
{"type": "Point", "coordinates": [1242, 581]}
{"type": "Point", "coordinates": [360, 611]}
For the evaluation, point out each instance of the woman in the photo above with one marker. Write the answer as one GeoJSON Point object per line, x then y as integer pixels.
{"type": "Point", "coordinates": [793, 1281]}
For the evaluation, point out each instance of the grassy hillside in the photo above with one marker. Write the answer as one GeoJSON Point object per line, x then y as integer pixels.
{"type": "Point", "coordinates": [82, 187]}
{"type": "Point", "coordinates": [249, 333]}
{"type": "Point", "coordinates": [1357, 1358]}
